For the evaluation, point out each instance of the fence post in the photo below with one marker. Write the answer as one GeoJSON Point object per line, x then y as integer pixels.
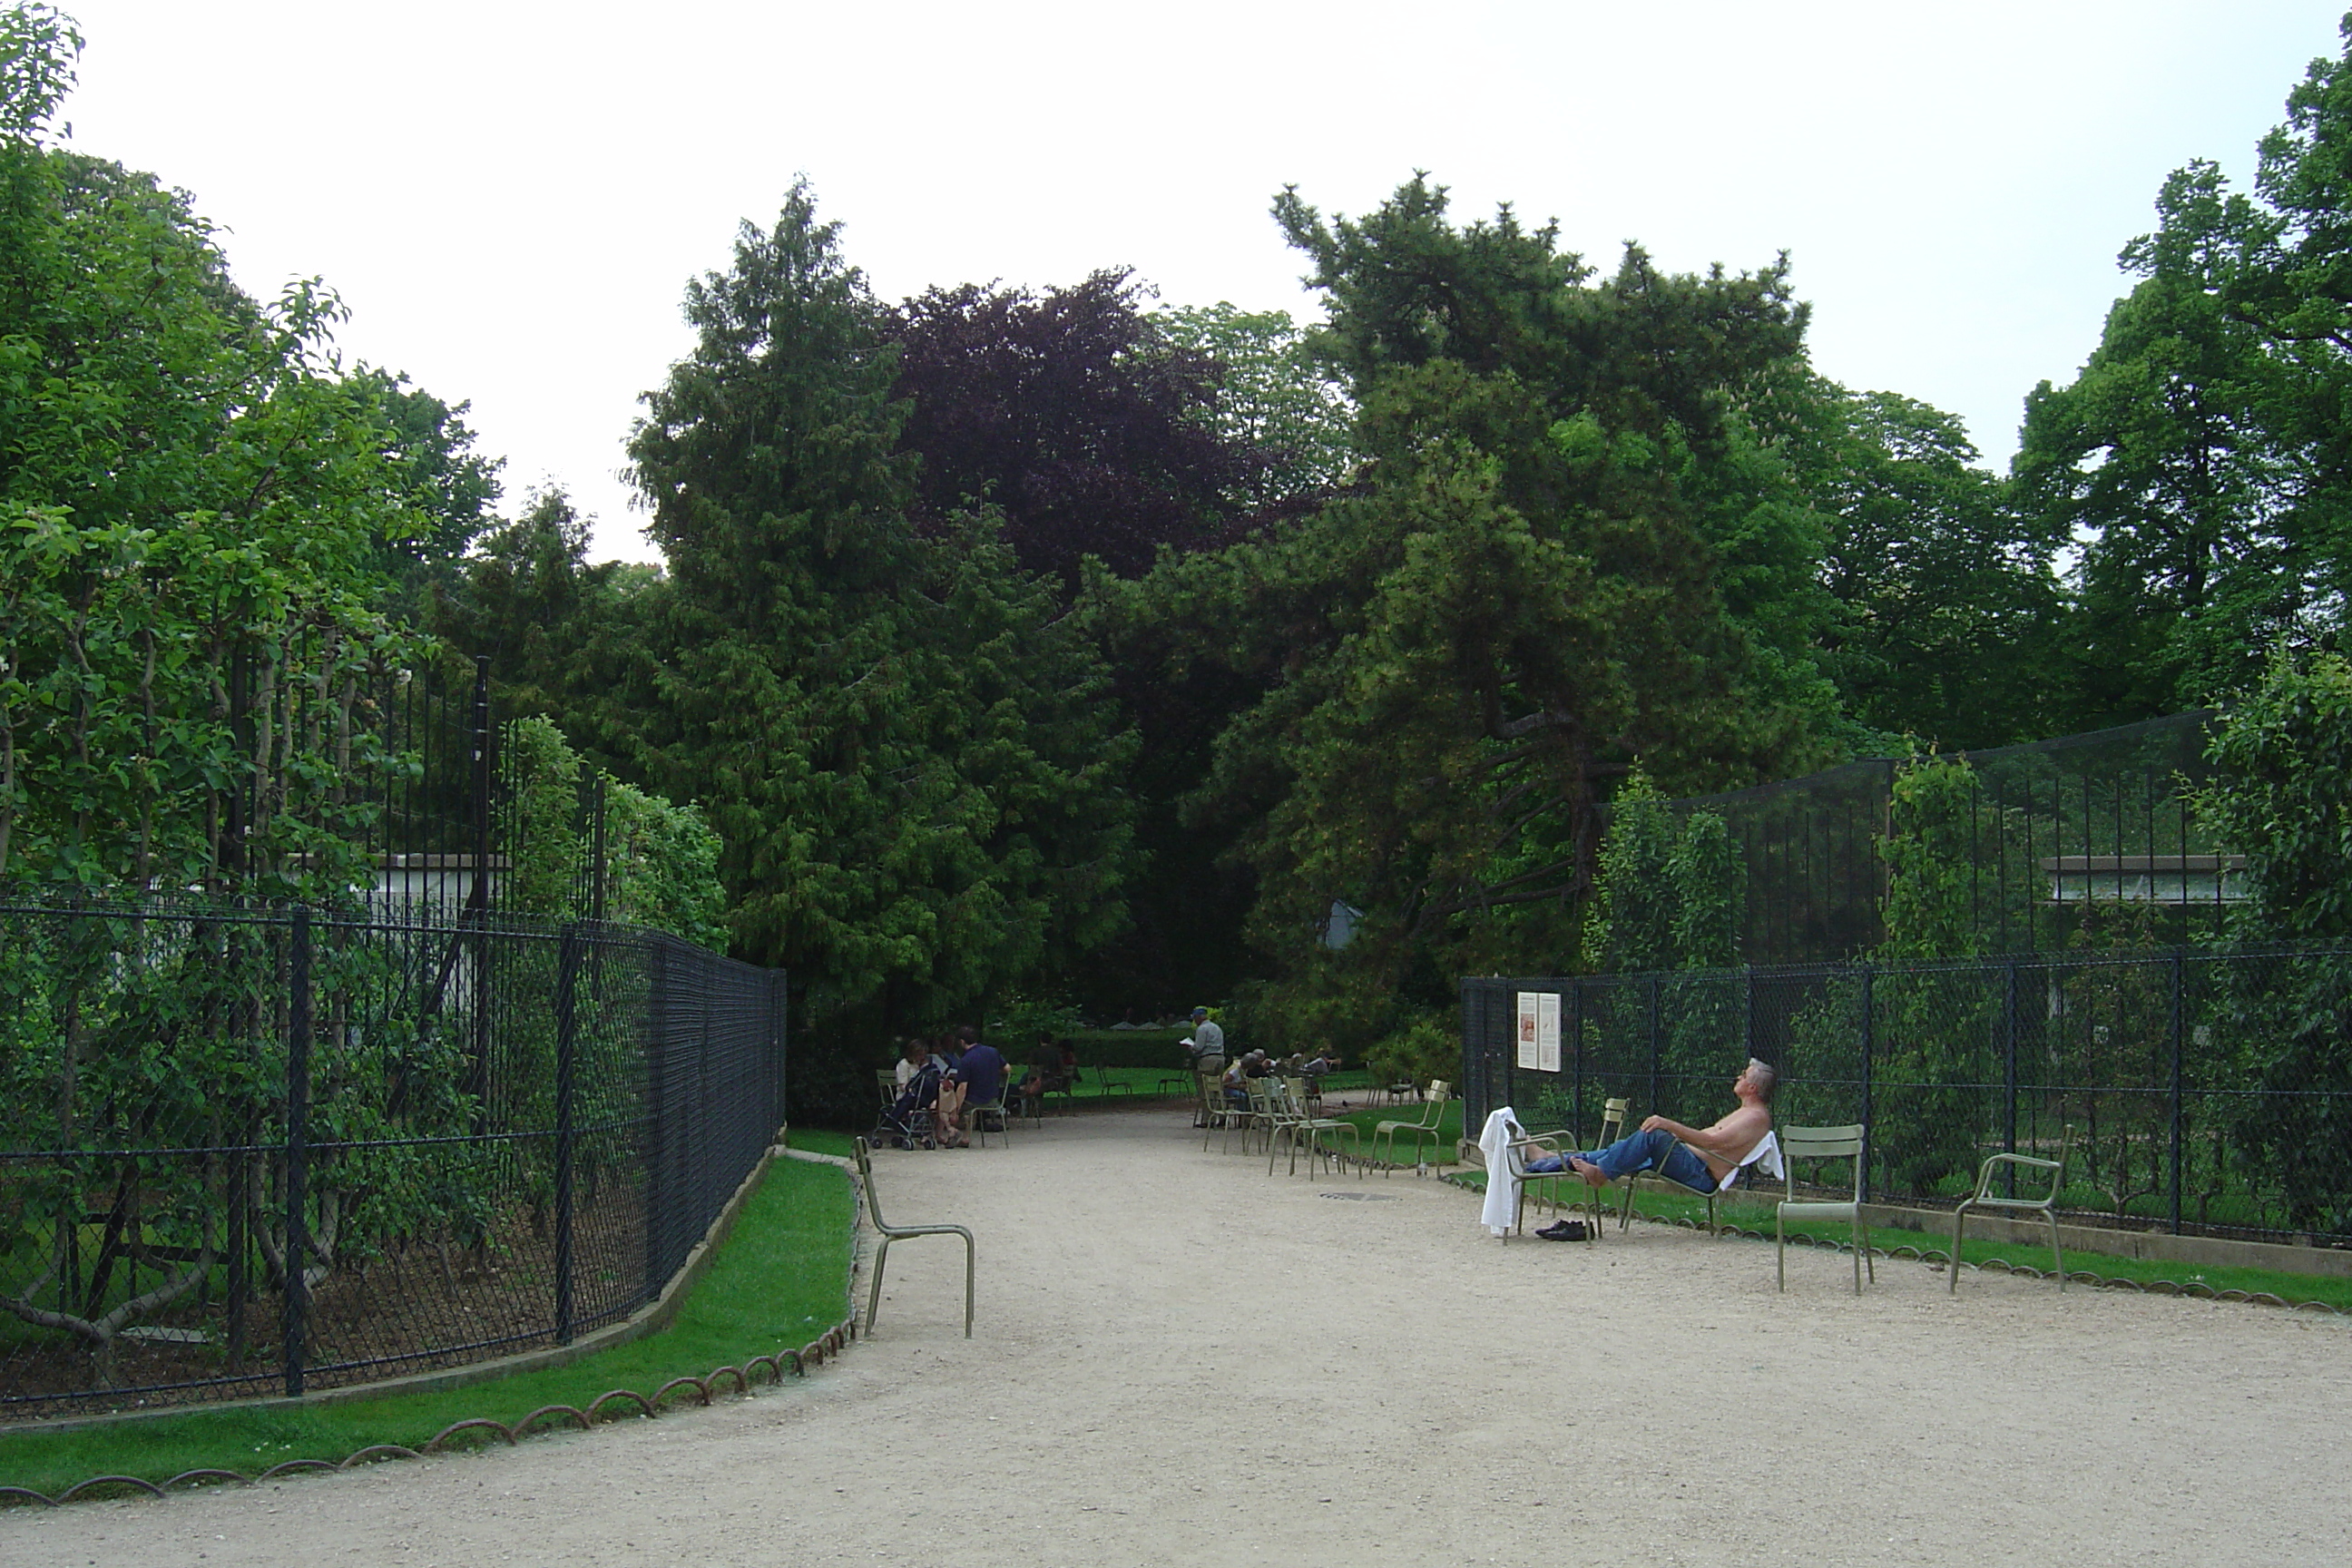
{"type": "Point", "coordinates": [1656, 1045]}
{"type": "Point", "coordinates": [479, 900]}
{"type": "Point", "coordinates": [1749, 1023]}
{"type": "Point", "coordinates": [2180, 966]}
{"type": "Point", "coordinates": [2008, 1069]}
{"type": "Point", "coordinates": [1576, 1021]}
{"type": "Point", "coordinates": [1868, 1040]}
{"type": "Point", "coordinates": [657, 1147]}
{"type": "Point", "coordinates": [567, 985]}
{"type": "Point", "coordinates": [779, 1009]}
{"type": "Point", "coordinates": [294, 1319]}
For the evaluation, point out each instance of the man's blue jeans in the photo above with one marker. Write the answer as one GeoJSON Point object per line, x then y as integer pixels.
{"type": "Point", "coordinates": [1652, 1151]}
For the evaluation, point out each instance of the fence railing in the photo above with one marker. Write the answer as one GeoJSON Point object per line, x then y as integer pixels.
{"type": "Point", "coordinates": [2209, 1091]}
{"type": "Point", "coordinates": [250, 1150]}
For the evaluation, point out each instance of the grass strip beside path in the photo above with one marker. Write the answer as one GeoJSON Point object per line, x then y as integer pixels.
{"type": "Point", "coordinates": [780, 1279]}
{"type": "Point", "coordinates": [2295, 1290]}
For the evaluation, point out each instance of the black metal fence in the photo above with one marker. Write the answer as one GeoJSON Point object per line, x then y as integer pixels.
{"type": "Point", "coordinates": [2056, 832]}
{"type": "Point", "coordinates": [250, 1150]}
{"type": "Point", "coordinates": [2209, 1091]}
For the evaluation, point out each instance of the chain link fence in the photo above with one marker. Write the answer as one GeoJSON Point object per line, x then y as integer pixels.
{"type": "Point", "coordinates": [2209, 1091]}
{"type": "Point", "coordinates": [257, 1149]}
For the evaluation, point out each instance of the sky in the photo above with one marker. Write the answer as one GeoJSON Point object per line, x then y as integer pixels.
{"type": "Point", "coordinates": [510, 198]}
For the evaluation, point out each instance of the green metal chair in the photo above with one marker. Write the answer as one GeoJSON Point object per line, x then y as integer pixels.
{"type": "Point", "coordinates": [1516, 1155]}
{"type": "Point", "coordinates": [1984, 1198]}
{"type": "Point", "coordinates": [1286, 1099]}
{"type": "Point", "coordinates": [1433, 1112]}
{"type": "Point", "coordinates": [1822, 1143]}
{"type": "Point", "coordinates": [977, 1114]}
{"type": "Point", "coordinates": [890, 1233]}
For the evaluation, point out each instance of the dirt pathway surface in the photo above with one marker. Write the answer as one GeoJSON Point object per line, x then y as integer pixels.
{"type": "Point", "coordinates": [1181, 1361]}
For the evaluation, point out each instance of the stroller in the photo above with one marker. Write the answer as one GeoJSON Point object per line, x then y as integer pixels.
{"type": "Point", "coordinates": [907, 1124]}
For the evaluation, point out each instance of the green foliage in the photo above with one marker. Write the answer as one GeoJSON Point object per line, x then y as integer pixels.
{"type": "Point", "coordinates": [2282, 796]}
{"type": "Point", "coordinates": [900, 739]}
{"type": "Point", "coordinates": [1950, 609]}
{"type": "Point", "coordinates": [1567, 548]}
{"type": "Point", "coordinates": [1928, 850]}
{"type": "Point", "coordinates": [1423, 1049]}
{"type": "Point", "coordinates": [1668, 892]}
{"type": "Point", "coordinates": [661, 861]}
{"type": "Point", "coordinates": [1932, 1026]}
{"type": "Point", "coordinates": [1270, 396]}
{"type": "Point", "coordinates": [2202, 455]}
{"type": "Point", "coordinates": [194, 505]}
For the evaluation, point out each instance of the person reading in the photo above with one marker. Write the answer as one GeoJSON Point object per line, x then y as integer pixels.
{"type": "Point", "coordinates": [1704, 1159]}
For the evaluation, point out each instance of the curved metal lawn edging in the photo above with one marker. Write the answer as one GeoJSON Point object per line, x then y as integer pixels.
{"type": "Point", "coordinates": [2195, 1290]}
{"type": "Point", "coordinates": [454, 1435]}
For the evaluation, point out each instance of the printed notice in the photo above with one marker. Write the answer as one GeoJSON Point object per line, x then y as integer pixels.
{"type": "Point", "coordinates": [1540, 1031]}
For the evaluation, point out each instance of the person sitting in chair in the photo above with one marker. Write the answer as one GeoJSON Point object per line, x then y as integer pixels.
{"type": "Point", "coordinates": [1703, 1159]}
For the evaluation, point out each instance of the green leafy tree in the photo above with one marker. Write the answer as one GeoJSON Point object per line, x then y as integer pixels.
{"type": "Point", "coordinates": [2202, 455]}
{"type": "Point", "coordinates": [1271, 397]}
{"type": "Point", "coordinates": [1950, 609]}
{"type": "Point", "coordinates": [2282, 796]}
{"type": "Point", "coordinates": [191, 503]}
{"type": "Point", "coordinates": [897, 733]}
{"type": "Point", "coordinates": [1568, 546]}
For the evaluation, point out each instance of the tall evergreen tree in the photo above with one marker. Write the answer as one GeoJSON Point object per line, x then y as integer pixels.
{"type": "Point", "coordinates": [894, 731]}
{"type": "Point", "coordinates": [1570, 547]}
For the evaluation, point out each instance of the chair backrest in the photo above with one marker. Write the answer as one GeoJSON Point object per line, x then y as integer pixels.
{"type": "Point", "coordinates": [1612, 1122]}
{"type": "Point", "coordinates": [886, 1079]}
{"type": "Point", "coordinates": [1821, 1144]}
{"type": "Point", "coordinates": [866, 1180]}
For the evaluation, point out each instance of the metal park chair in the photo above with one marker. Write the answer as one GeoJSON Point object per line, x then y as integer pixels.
{"type": "Point", "coordinates": [1425, 1125]}
{"type": "Point", "coordinates": [890, 1233]}
{"type": "Point", "coordinates": [1822, 1143]}
{"type": "Point", "coordinates": [2042, 1204]}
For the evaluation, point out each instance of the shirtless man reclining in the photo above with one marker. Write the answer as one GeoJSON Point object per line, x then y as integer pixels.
{"type": "Point", "coordinates": [1700, 1158]}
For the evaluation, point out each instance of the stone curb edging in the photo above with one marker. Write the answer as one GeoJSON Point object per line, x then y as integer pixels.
{"type": "Point", "coordinates": [832, 1341]}
{"type": "Point", "coordinates": [2195, 1290]}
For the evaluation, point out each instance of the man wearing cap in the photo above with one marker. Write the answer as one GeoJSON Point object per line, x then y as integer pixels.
{"type": "Point", "coordinates": [1207, 1043]}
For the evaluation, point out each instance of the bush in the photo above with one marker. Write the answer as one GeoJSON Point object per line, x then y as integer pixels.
{"type": "Point", "coordinates": [1423, 1049]}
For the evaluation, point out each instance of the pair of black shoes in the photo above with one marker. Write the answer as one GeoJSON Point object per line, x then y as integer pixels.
{"type": "Point", "coordinates": [1563, 1230]}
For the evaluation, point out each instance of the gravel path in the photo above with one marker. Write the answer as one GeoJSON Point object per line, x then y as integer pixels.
{"type": "Point", "coordinates": [1180, 1361]}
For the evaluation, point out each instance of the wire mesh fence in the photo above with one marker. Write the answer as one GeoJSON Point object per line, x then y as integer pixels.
{"type": "Point", "coordinates": [2207, 1091]}
{"type": "Point", "coordinates": [2059, 834]}
{"type": "Point", "coordinates": [253, 1148]}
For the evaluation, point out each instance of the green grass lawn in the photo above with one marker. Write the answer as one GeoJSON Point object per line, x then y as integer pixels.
{"type": "Point", "coordinates": [780, 1280]}
{"type": "Point", "coordinates": [2292, 1289]}
{"type": "Point", "coordinates": [1449, 1127]}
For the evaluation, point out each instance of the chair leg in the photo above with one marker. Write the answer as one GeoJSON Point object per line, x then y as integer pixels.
{"type": "Point", "coordinates": [1780, 1249]}
{"type": "Point", "coordinates": [2057, 1254]}
{"type": "Point", "coordinates": [970, 1265]}
{"type": "Point", "coordinates": [873, 1299]}
{"type": "Point", "coordinates": [1857, 1253]}
{"type": "Point", "coordinates": [1960, 1219]}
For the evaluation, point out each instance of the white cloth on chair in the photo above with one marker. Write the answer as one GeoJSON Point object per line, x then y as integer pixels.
{"type": "Point", "coordinates": [1502, 1206]}
{"type": "Point", "coordinates": [1765, 1157]}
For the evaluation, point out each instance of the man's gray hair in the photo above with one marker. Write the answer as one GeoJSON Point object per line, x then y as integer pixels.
{"type": "Point", "coordinates": [1762, 1075]}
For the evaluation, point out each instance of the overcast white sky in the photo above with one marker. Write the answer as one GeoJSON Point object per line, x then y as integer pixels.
{"type": "Point", "coordinates": [510, 197]}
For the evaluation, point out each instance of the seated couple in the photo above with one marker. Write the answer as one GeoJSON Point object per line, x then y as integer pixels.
{"type": "Point", "coordinates": [1704, 1159]}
